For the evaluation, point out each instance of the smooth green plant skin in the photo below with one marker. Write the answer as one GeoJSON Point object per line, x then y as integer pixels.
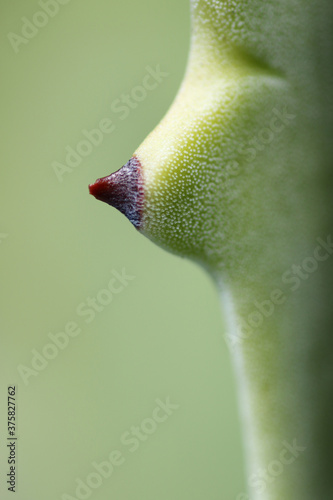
{"type": "Point", "coordinates": [244, 192]}
{"type": "Point", "coordinates": [237, 177]}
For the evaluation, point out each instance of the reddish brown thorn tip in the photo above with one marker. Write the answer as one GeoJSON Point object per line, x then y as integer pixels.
{"type": "Point", "coordinates": [123, 190]}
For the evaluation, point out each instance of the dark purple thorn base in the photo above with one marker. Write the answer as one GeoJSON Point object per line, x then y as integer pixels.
{"type": "Point", "coordinates": [123, 190]}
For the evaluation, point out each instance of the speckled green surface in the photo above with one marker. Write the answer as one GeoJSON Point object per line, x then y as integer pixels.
{"type": "Point", "coordinates": [163, 334]}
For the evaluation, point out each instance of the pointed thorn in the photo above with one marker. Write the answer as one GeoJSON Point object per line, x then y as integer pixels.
{"type": "Point", "coordinates": [123, 190]}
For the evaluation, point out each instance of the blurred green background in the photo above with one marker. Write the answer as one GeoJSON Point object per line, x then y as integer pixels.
{"type": "Point", "coordinates": [162, 336]}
